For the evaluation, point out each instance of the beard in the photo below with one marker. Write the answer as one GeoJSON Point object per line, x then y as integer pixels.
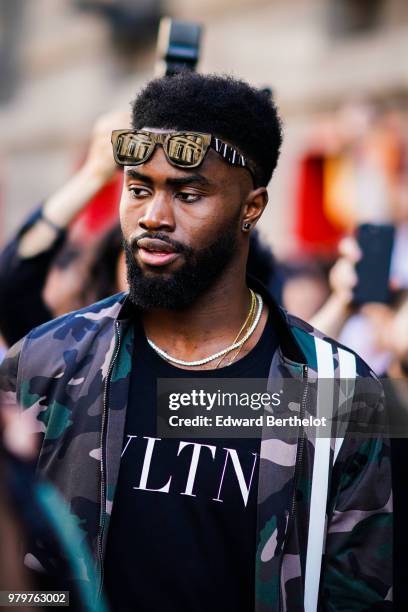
{"type": "Point", "coordinates": [180, 288]}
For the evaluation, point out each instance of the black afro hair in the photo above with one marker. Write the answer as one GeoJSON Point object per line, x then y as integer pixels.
{"type": "Point", "coordinates": [226, 107]}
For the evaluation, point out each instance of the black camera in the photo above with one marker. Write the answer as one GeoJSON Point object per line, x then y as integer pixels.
{"type": "Point", "coordinates": [178, 46]}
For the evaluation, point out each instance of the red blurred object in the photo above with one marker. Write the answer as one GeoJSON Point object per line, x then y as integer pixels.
{"type": "Point", "coordinates": [314, 231]}
{"type": "Point", "coordinates": [101, 212]}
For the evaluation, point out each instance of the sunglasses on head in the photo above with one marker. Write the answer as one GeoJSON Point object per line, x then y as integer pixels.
{"type": "Point", "coordinates": [182, 149]}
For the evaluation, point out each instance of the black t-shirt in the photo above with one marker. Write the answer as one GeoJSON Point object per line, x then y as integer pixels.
{"type": "Point", "coordinates": [182, 536]}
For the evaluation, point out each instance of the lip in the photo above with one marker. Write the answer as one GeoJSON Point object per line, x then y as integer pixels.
{"type": "Point", "coordinates": [156, 252]}
{"type": "Point", "coordinates": [155, 245]}
{"type": "Point", "coordinates": [157, 258]}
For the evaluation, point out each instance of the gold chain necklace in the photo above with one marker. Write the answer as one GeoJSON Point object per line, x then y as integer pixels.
{"type": "Point", "coordinates": [248, 321]}
{"type": "Point", "coordinates": [219, 354]}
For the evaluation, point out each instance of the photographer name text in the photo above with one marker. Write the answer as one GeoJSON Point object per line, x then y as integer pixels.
{"type": "Point", "coordinates": [260, 421]}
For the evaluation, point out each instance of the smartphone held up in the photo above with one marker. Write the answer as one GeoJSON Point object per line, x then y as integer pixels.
{"type": "Point", "coordinates": [376, 243]}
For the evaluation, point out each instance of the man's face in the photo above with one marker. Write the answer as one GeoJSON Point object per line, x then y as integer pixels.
{"type": "Point", "coordinates": [181, 227]}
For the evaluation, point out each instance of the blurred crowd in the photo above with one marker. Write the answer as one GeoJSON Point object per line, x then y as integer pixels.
{"type": "Point", "coordinates": [354, 172]}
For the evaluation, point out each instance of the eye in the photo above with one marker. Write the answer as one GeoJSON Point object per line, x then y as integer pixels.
{"type": "Point", "coordinates": [137, 191]}
{"type": "Point", "coordinates": [186, 197]}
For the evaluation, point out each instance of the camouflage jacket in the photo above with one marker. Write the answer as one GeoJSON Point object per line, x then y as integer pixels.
{"type": "Point", "coordinates": [324, 504]}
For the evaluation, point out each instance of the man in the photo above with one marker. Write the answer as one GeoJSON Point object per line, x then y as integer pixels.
{"type": "Point", "coordinates": [193, 524]}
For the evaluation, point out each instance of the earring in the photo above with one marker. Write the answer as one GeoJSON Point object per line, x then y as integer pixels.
{"type": "Point", "coordinates": [246, 226]}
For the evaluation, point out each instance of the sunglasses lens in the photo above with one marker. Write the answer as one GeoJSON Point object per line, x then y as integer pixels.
{"type": "Point", "coordinates": [186, 149]}
{"type": "Point", "coordinates": [132, 148]}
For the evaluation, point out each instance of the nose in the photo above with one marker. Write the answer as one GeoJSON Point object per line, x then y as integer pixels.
{"type": "Point", "coordinates": [158, 214]}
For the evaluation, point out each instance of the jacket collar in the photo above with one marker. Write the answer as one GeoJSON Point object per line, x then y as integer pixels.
{"type": "Point", "coordinates": [289, 346]}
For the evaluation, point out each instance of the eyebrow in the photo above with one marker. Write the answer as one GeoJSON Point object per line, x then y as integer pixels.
{"type": "Point", "coordinates": [174, 182]}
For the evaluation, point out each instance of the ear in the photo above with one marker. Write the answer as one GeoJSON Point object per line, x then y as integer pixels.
{"type": "Point", "coordinates": [253, 208]}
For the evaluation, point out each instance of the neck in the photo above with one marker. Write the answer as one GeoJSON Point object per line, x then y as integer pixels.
{"type": "Point", "coordinates": [209, 325]}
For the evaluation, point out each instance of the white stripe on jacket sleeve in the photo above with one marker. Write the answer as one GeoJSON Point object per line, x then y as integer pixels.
{"type": "Point", "coordinates": [347, 366]}
{"type": "Point", "coordinates": [318, 501]}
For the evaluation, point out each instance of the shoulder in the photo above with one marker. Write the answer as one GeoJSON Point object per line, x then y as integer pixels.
{"type": "Point", "coordinates": [317, 347]}
{"type": "Point", "coordinates": [355, 381]}
{"type": "Point", "coordinates": [50, 347]}
{"type": "Point", "coordinates": [79, 341]}
{"type": "Point", "coordinates": [78, 323]}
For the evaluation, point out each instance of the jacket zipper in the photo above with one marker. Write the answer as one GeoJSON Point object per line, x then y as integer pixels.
{"type": "Point", "coordinates": [103, 488]}
{"type": "Point", "coordinates": [299, 458]}
{"type": "Point", "coordinates": [302, 437]}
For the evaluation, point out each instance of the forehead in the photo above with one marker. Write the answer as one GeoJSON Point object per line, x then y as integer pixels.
{"type": "Point", "coordinates": [157, 167]}
{"type": "Point", "coordinates": [156, 130]}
